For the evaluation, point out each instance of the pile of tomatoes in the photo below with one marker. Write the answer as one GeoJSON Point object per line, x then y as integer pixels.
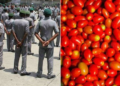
{"type": "Point", "coordinates": [90, 42]}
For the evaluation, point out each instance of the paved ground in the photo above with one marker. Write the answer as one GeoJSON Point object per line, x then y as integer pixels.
{"type": "Point", "coordinates": [7, 78]}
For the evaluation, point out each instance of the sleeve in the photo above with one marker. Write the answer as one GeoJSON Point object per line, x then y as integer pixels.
{"type": "Point", "coordinates": [1, 28]}
{"type": "Point", "coordinates": [27, 27]}
{"type": "Point", "coordinates": [13, 27]}
{"type": "Point", "coordinates": [37, 29]}
{"type": "Point", "coordinates": [56, 30]}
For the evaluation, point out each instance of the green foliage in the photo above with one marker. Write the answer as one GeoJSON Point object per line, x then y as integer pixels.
{"type": "Point", "coordinates": [4, 1]}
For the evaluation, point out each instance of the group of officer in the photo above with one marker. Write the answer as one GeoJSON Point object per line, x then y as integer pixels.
{"type": "Point", "coordinates": [18, 22]}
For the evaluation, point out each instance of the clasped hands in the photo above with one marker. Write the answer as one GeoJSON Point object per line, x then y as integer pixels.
{"type": "Point", "coordinates": [45, 43]}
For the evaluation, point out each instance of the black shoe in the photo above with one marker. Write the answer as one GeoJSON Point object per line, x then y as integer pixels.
{"type": "Point", "coordinates": [34, 43]}
{"type": "Point", "coordinates": [26, 73]}
{"type": "Point", "coordinates": [8, 50]}
{"type": "Point", "coordinates": [1, 68]}
{"type": "Point", "coordinates": [39, 76]}
{"type": "Point", "coordinates": [30, 53]}
{"type": "Point", "coordinates": [51, 76]}
{"type": "Point", "coordinates": [15, 72]}
{"type": "Point", "coordinates": [57, 46]}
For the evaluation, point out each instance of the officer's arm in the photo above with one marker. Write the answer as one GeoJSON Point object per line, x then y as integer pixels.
{"type": "Point", "coordinates": [38, 37]}
{"type": "Point", "coordinates": [6, 30]}
{"type": "Point", "coordinates": [31, 27]}
{"type": "Point", "coordinates": [24, 37]}
{"type": "Point", "coordinates": [15, 37]}
{"type": "Point", "coordinates": [53, 37]}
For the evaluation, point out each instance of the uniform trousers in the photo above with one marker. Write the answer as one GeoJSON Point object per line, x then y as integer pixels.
{"type": "Point", "coordinates": [10, 42]}
{"type": "Point", "coordinates": [1, 55]}
{"type": "Point", "coordinates": [29, 43]}
{"type": "Point", "coordinates": [20, 50]}
{"type": "Point", "coordinates": [49, 55]}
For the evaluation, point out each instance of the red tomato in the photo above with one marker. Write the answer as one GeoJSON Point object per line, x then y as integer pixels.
{"type": "Point", "coordinates": [88, 54]}
{"type": "Point", "coordinates": [67, 62]}
{"type": "Point", "coordinates": [109, 6]}
{"type": "Point", "coordinates": [80, 79]}
{"type": "Point", "coordinates": [115, 65]}
{"type": "Point", "coordinates": [102, 74]}
{"type": "Point", "coordinates": [63, 12]}
{"type": "Point", "coordinates": [63, 31]}
{"type": "Point", "coordinates": [75, 72]}
{"type": "Point", "coordinates": [98, 19]}
{"type": "Point", "coordinates": [89, 16]}
{"type": "Point", "coordinates": [115, 46]}
{"type": "Point", "coordinates": [97, 30]}
{"type": "Point", "coordinates": [77, 10]}
{"type": "Point", "coordinates": [108, 22]}
{"type": "Point", "coordinates": [98, 61]}
{"type": "Point", "coordinates": [73, 32]}
{"type": "Point", "coordinates": [71, 83]}
{"type": "Point", "coordinates": [65, 1]}
{"type": "Point", "coordinates": [107, 38]}
{"type": "Point", "coordinates": [78, 18]}
{"type": "Point", "coordinates": [105, 13]}
{"type": "Point", "coordinates": [84, 47]}
{"type": "Point", "coordinates": [117, 2]}
{"type": "Point", "coordinates": [102, 56]}
{"type": "Point", "coordinates": [64, 7]}
{"type": "Point", "coordinates": [65, 73]}
{"type": "Point", "coordinates": [114, 15]}
{"type": "Point", "coordinates": [72, 45]}
{"type": "Point", "coordinates": [82, 23]}
{"type": "Point", "coordinates": [79, 3]}
{"type": "Point", "coordinates": [109, 82]}
{"type": "Point", "coordinates": [111, 73]}
{"type": "Point", "coordinates": [99, 11]}
{"type": "Point", "coordinates": [117, 80]}
{"type": "Point", "coordinates": [70, 4]}
{"type": "Point", "coordinates": [97, 3]}
{"type": "Point", "coordinates": [71, 23]}
{"type": "Point", "coordinates": [116, 23]}
{"type": "Point", "coordinates": [84, 35]}
{"type": "Point", "coordinates": [88, 84]}
{"type": "Point", "coordinates": [93, 69]}
{"type": "Point", "coordinates": [64, 81]}
{"type": "Point", "coordinates": [96, 51]}
{"type": "Point", "coordinates": [68, 51]}
{"type": "Point", "coordinates": [88, 30]}
{"type": "Point", "coordinates": [63, 18]}
{"type": "Point", "coordinates": [75, 54]}
{"type": "Point", "coordinates": [62, 52]}
{"type": "Point", "coordinates": [96, 83]}
{"type": "Point", "coordinates": [105, 66]}
{"type": "Point", "coordinates": [116, 34]}
{"type": "Point", "coordinates": [94, 37]}
{"type": "Point", "coordinates": [76, 40]}
{"type": "Point", "coordinates": [91, 9]}
{"type": "Point", "coordinates": [118, 8]}
{"type": "Point", "coordinates": [75, 62]}
{"type": "Point", "coordinates": [95, 44]}
{"type": "Point", "coordinates": [110, 52]}
{"type": "Point", "coordinates": [117, 57]}
{"type": "Point", "coordinates": [88, 42]}
{"type": "Point", "coordinates": [90, 78]}
{"type": "Point", "coordinates": [70, 16]}
{"type": "Point", "coordinates": [89, 2]}
{"type": "Point", "coordinates": [64, 41]}
{"type": "Point", "coordinates": [108, 31]}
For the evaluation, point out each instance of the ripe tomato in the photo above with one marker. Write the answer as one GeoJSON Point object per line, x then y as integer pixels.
{"type": "Point", "coordinates": [73, 32]}
{"type": "Point", "coordinates": [76, 40]}
{"type": "Point", "coordinates": [88, 84]}
{"type": "Point", "coordinates": [63, 31]}
{"type": "Point", "coordinates": [64, 81]}
{"type": "Point", "coordinates": [96, 83]}
{"type": "Point", "coordinates": [80, 79]}
{"type": "Point", "coordinates": [108, 22]}
{"type": "Point", "coordinates": [117, 57]}
{"type": "Point", "coordinates": [70, 4]}
{"type": "Point", "coordinates": [118, 8]}
{"type": "Point", "coordinates": [70, 16]}
{"type": "Point", "coordinates": [75, 72]}
{"type": "Point", "coordinates": [110, 52]}
{"type": "Point", "coordinates": [104, 46]}
{"type": "Point", "coordinates": [63, 18]}
{"type": "Point", "coordinates": [96, 51]}
{"type": "Point", "coordinates": [98, 61]}
{"type": "Point", "coordinates": [105, 66]}
{"type": "Point", "coordinates": [76, 10]}
{"type": "Point", "coordinates": [102, 74]}
{"type": "Point", "coordinates": [89, 16]}
{"type": "Point", "coordinates": [67, 62]}
{"type": "Point", "coordinates": [64, 41]}
{"type": "Point", "coordinates": [105, 13]}
{"type": "Point", "coordinates": [108, 31]}
{"type": "Point", "coordinates": [72, 45]}
{"type": "Point", "coordinates": [97, 3]}
{"type": "Point", "coordinates": [75, 62]}
{"type": "Point", "coordinates": [95, 44]}
{"type": "Point", "coordinates": [89, 2]}
{"type": "Point", "coordinates": [116, 23]}
{"type": "Point", "coordinates": [117, 80]}
{"type": "Point", "coordinates": [111, 73]}
{"type": "Point", "coordinates": [93, 69]}
{"type": "Point", "coordinates": [79, 3]}
{"type": "Point", "coordinates": [71, 23]}
{"type": "Point", "coordinates": [102, 56]}
{"type": "Point", "coordinates": [97, 30]}
{"type": "Point", "coordinates": [88, 54]}
{"type": "Point", "coordinates": [68, 51]}
{"type": "Point", "coordinates": [82, 23]}
{"type": "Point", "coordinates": [64, 7]}
{"type": "Point", "coordinates": [75, 54]}
{"type": "Point", "coordinates": [114, 15]}
{"type": "Point", "coordinates": [109, 6]}
{"type": "Point", "coordinates": [62, 52]}
{"type": "Point", "coordinates": [65, 1]}
{"type": "Point", "coordinates": [91, 9]}
{"type": "Point", "coordinates": [116, 34]}
{"type": "Point", "coordinates": [83, 67]}
{"type": "Point", "coordinates": [65, 73]}
{"type": "Point", "coordinates": [71, 83]}
{"type": "Point", "coordinates": [84, 47]}
{"type": "Point", "coordinates": [115, 65]}
{"type": "Point", "coordinates": [115, 46]}
{"type": "Point", "coordinates": [94, 37]}
{"type": "Point", "coordinates": [109, 82]}
{"type": "Point", "coordinates": [78, 18]}
{"type": "Point", "coordinates": [98, 19]}
{"type": "Point", "coordinates": [88, 30]}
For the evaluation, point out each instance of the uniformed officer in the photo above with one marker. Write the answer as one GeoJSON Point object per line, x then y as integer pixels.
{"type": "Point", "coordinates": [10, 38]}
{"type": "Point", "coordinates": [58, 22]}
{"type": "Point", "coordinates": [20, 31]}
{"type": "Point", "coordinates": [17, 15]}
{"type": "Point", "coordinates": [31, 24]}
{"type": "Point", "coordinates": [55, 12]}
{"type": "Point", "coordinates": [1, 45]}
{"type": "Point", "coordinates": [32, 15]}
{"type": "Point", "coordinates": [46, 27]}
{"type": "Point", "coordinates": [1, 10]}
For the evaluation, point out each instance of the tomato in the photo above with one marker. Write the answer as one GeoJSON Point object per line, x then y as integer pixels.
{"type": "Point", "coordinates": [91, 9]}
{"type": "Point", "coordinates": [96, 51]}
{"type": "Point", "coordinates": [118, 8]}
{"type": "Point", "coordinates": [72, 45]}
{"type": "Point", "coordinates": [75, 62]}
{"type": "Point", "coordinates": [102, 74]}
{"type": "Point", "coordinates": [75, 72]}
{"type": "Point", "coordinates": [105, 13]}
{"type": "Point", "coordinates": [67, 62]}
{"type": "Point", "coordinates": [89, 2]}
{"type": "Point", "coordinates": [110, 7]}
{"type": "Point", "coordinates": [68, 51]}
{"type": "Point", "coordinates": [116, 34]}
{"type": "Point", "coordinates": [93, 69]}
{"type": "Point", "coordinates": [75, 54]}
{"type": "Point", "coordinates": [80, 79]}
{"type": "Point", "coordinates": [88, 30]}
{"type": "Point", "coordinates": [97, 30]}
{"type": "Point", "coordinates": [95, 44]}
{"type": "Point", "coordinates": [110, 52]}
{"type": "Point", "coordinates": [115, 65]}
{"type": "Point", "coordinates": [88, 42]}
{"type": "Point", "coordinates": [117, 57]}
{"type": "Point", "coordinates": [87, 62]}
{"type": "Point", "coordinates": [78, 18]}
{"type": "Point", "coordinates": [98, 19]}
{"type": "Point", "coordinates": [64, 41]}
{"type": "Point", "coordinates": [98, 61]}
{"type": "Point", "coordinates": [84, 47]}
{"type": "Point", "coordinates": [96, 83]}
{"type": "Point", "coordinates": [82, 23]}
{"type": "Point", "coordinates": [94, 37]}
{"type": "Point", "coordinates": [103, 27]}
{"type": "Point", "coordinates": [88, 54]}
{"type": "Point", "coordinates": [64, 81]}
{"type": "Point", "coordinates": [108, 31]}
{"type": "Point", "coordinates": [117, 2]}
{"type": "Point", "coordinates": [79, 3]}
{"type": "Point", "coordinates": [85, 11]}
{"type": "Point", "coordinates": [65, 1]}
{"type": "Point", "coordinates": [107, 38]}
{"type": "Point", "coordinates": [102, 56]}
{"type": "Point", "coordinates": [111, 73]}
{"type": "Point", "coordinates": [109, 82]}
{"type": "Point", "coordinates": [70, 4]}
{"type": "Point", "coordinates": [70, 16]}
{"type": "Point", "coordinates": [71, 23]}
{"type": "Point", "coordinates": [65, 73]}
{"type": "Point", "coordinates": [63, 12]}
{"type": "Point", "coordinates": [64, 7]}
{"type": "Point", "coordinates": [76, 40]}
{"type": "Point", "coordinates": [63, 18]}
{"type": "Point", "coordinates": [115, 45]}
{"type": "Point", "coordinates": [63, 31]}
{"type": "Point", "coordinates": [89, 16]}
{"type": "Point", "coordinates": [73, 32]}
{"type": "Point", "coordinates": [83, 67]}
{"type": "Point", "coordinates": [62, 52]}
{"type": "Point", "coordinates": [97, 3]}
{"type": "Point", "coordinates": [71, 83]}
{"type": "Point", "coordinates": [116, 23]}
{"type": "Point", "coordinates": [117, 80]}
{"type": "Point", "coordinates": [108, 22]}
{"type": "Point", "coordinates": [99, 11]}
{"type": "Point", "coordinates": [105, 66]}
{"type": "Point", "coordinates": [88, 84]}
{"type": "Point", "coordinates": [76, 10]}
{"type": "Point", "coordinates": [114, 15]}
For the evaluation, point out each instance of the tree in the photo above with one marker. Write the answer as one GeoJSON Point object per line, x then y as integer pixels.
{"type": "Point", "coordinates": [4, 1]}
